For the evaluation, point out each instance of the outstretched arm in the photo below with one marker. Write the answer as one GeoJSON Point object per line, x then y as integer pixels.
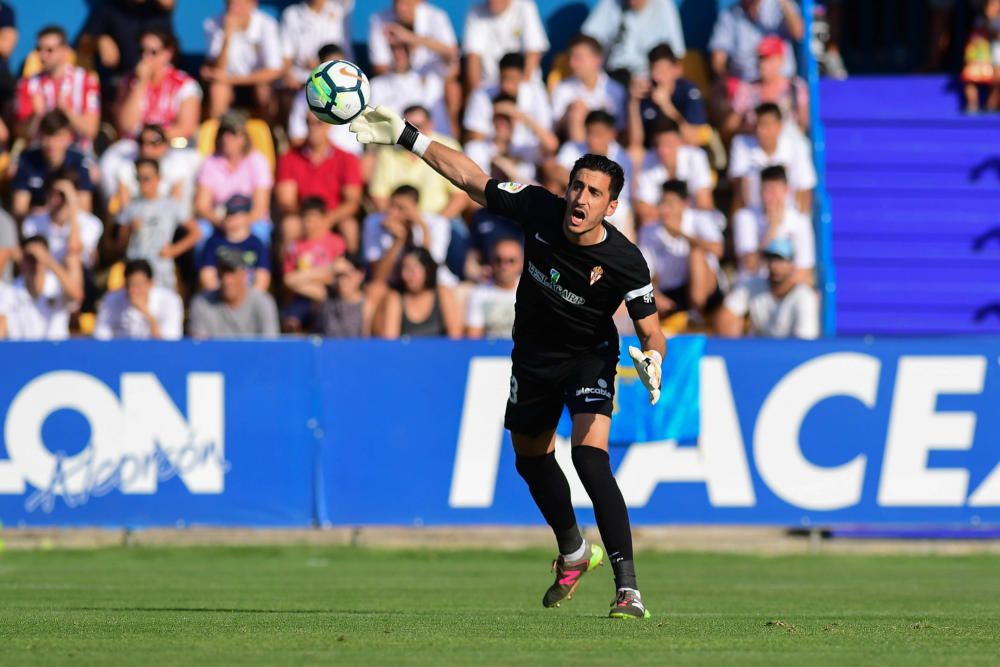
{"type": "Point", "coordinates": [383, 126]}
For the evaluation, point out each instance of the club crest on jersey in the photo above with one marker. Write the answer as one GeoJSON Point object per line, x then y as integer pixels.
{"type": "Point", "coordinates": [596, 274]}
{"type": "Point", "coordinates": [512, 187]}
{"type": "Point", "coordinates": [554, 275]}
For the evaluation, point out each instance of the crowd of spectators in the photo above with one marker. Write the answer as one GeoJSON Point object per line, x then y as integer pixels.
{"type": "Point", "coordinates": [145, 201]}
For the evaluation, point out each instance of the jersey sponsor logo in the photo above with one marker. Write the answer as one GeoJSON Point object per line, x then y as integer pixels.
{"type": "Point", "coordinates": [512, 187]}
{"type": "Point", "coordinates": [596, 274]}
{"type": "Point", "coordinates": [544, 280]}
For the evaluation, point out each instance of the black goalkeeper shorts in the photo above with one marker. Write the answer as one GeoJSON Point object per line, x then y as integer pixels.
{"type": "Point", "coordinates": [541, 383]}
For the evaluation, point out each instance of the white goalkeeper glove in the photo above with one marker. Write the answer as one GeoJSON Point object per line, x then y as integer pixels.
{"type": "Point", "coordinates": [382, 125]}
{"type": "Point", "coordinates": [648, 365]}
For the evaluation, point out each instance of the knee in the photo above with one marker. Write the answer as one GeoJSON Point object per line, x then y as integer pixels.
{"type": "Point", "coordinates": [592, 464]}
{"type": "Point", "coordinates": [535, 468]}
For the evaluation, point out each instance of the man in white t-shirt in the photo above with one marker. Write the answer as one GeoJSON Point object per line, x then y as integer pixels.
{"type": "Point", "coordinates": [38, 305]}
{"type": "Point", "coordinates": [490, 309]}
{"type": "Point", "coordinates": [587, 88]}
{"type": "Point", "coordinates": [307, 26]}
{"type": "Point", "coordinates": [498, 27]}
{"type": "Point", "coordinates": [298, 129]}
{"type": "Point", "coordinates": [403, 87]}
{"type": "Point", "coordinates": [755, 228]}
{"type": "Point", "coordinates": [244, 57]}
{"type": "Point", "coordinates": [64, 223]}
{"type": "Point", "coordinates": [669, 159]}
{"type": "Point", "coordinates": [778, 306]}
{"type": "Point", "coordinates": [140, 310]}
{"type": "Point", "coordinates": [773, 143]}
{"type": "Point", "coordinates": [682, 249]}
{"type": "Point", "coordinates": [532, 101]}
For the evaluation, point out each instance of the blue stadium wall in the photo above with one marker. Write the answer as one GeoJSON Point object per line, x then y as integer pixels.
{"type": "Point", "coordinates": [301, 433]}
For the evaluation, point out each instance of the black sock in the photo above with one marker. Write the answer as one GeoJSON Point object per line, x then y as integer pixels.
{"type": "Point", "coordinates": [550, 490]}
{"type": "Point", "coordinates": [594, 467]}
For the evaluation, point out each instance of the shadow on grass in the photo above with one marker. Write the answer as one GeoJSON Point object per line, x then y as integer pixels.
{"type": "Point", "coordinates": [235, 610]}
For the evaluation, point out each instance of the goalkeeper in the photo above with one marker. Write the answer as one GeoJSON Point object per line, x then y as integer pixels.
{"type": "Point", "coordinates": [578, 270]}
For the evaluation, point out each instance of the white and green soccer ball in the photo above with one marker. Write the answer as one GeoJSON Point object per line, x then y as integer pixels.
{"type": "Point", "coordinates": [337, 91]}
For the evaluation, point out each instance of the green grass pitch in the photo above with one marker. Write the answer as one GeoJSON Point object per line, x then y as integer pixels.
{"type": "Point", "coordinates": [284, 606]}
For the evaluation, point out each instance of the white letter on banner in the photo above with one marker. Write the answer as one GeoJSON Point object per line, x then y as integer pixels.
{"type": "Point", "coordinates": [719, 460]}
{"type": "Point", "coordinates": [474, 478]}
{"type": "Point", "coordinates": [777, 451]}
{"type": "Point", "coordinates": [915, 428]}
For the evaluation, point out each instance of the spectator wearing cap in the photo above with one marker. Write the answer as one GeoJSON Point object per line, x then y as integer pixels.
{"type": "Point", "coordinates": [141, 310]}
{"type": "Point", "coordinates": [396, 166]}
{"type": "Point", "coordinates": [59, 85]}
{"type": "Point", "coordinates": [498, 156]}
{"type": "Point", "coordinates": [628, 29]}
{"type": "Point", "coordinates": [402, 86]}
{"type": "Point", "coordinates": [55, 152]}
{"type": "Point", "coordinates": [305, 27]}
{"type": "Point", "coordinates": [38, 305]}
{"type": "Point", "coordinates": [233, 310]}
{"type": "Point", "coordinates": [298, 131]}
{"type": "Point", "coordinates": [244, 58]}
{"type": "Point", "coordinates": [533, 129]}
{"type": "Point", "coordinates": [149, 223]}
{"type": "Point", "coordinates": [236, 168]}
{"type": "Point", "coordinates": [665, 94]}
{"type": "Point", "coordinates": [307, 267]}
{"type": "Point", "coordinates": [772, 144]}
{"type": "Point", "coordinates": [755, 228]}
{"type": "Point", "coordinates": [587, 88]}
{"type": "Point", "coordinates": [682, 250]}
{"type": "Point", "coordinates": [321, 170]}
{"type": "Point", "coordinates": [67, 228]}
{"type": "Point", "coordinates": [600, 140]}
{"type": "Point", "coordinates": [348, 311]}
{"type": "Point", "coordinates": [234, 241]}
{"type": "Point", "coordinates": [739, 30]}
{"type": "Point", "coordinates": [775, 306]}
{"type": "Point", "coordinates": [672, 159]}
{"type": "Point", "coordinates": [489, 312]}
{"type": "Point", "coordinates": [790, 94]}
{"type": "Point", "coordinates": [495, 28]}
{"type": "Point", "coordinates": [177, 177]}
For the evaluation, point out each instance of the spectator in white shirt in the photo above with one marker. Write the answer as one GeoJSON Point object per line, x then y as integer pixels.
{"type": "Point", "coordinates": [755, 228]}
{"type": "Point", "coordinates": [140, 310]}
{"type": "Point", "coordinates": [497, 27]}
{"type": "Point", "coordinates": [64, 224]}
{"type": "Point", "coordinates": [772, 143]}
{"type": "Point", "coordinates": [489, 312]}
{"type": "Point", "coordinates": [305, 27]}
{"type": "Point", "coordinates": [403, 87]}
{"type": "Point", "coordinates": [531, 98]}
{"type": "Point", "coordinates": [298, 130]}
{"type": "Point", "coordinates": [777, 306]}
{"type": "Point", "coordinates": [38, 305]}
{"type": "Point", "coordinates": [672, 159]}
{"type": "Point", "coordinates": [244, 58]}
{"type": "Point", "coordinates": [587, 88]}
{"type": "Point", "coordinates": [682, 250]}
{"type": "Point", "coordinates": [600, 140]}
{"type": "Point", "coordinates": [628, 29]}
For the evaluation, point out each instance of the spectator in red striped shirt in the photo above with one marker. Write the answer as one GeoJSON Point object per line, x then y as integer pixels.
{"type": "Point", "coordinates": [59, 85]}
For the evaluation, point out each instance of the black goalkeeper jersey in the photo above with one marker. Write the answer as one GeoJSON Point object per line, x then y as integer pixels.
{"type": "Point", "coordinates": [568, 294]}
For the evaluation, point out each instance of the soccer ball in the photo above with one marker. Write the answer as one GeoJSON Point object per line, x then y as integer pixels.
{"type": "Point", "coordinates": [337, 92]}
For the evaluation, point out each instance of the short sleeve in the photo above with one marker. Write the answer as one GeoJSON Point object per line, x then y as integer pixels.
{"type": "Point", "coordinates": [378, 46]}
{"type": "Point", "coordinates": [806, 324]}
{"type": "Point", "coordinates": [746, 238]}
{"type": "Point", "coordinates": [286, 168]}
{"type": "Point", "coordinates": [803, 171]}
{"type": "Point", "coordinates": [479, 113]}
{"type": "Point", "coordinates": [260, 171]}
{"type": "Point", "coordinates": [706, 228]}
{"type": "Point", "coordinates": [172, 320]}
{"type": "Point", "coordinates": [472, 34]}
{"type": "Point", "coordinates": [562, 97]}
{"type": "Point", "coordinates": [691, 105]}
{"type": "Point", "coordinates": [533, 37]}
{"type": "Point", "coordinates": [739, 158]}
{"type": "Point", "coordinates": [522, 203]}
{"type": "Point", "coordinates": [91, 94]}
{"type": "Point", "coordinates": [804, 242]}
{"type": "Point", "coordinates": [649, 186]}
{"type": "Point", "coordinates": [271, 52]}
{"type": "Point", "coordinates": [214, 36]}
{"type": "Point", "coordinates": [263, 256]}
{"type": "Point", "coordinates": [475, 318]}
{"type": "Point", "coordinates": [352, 170]}
{"type": "Point", "coordinates": [738, 301]}
{"type": "Point", "coordinates": [638, 288]}
{"type": "Point", "coordinates": [371, 237]}
{"type": "Point", "coordinates": [701, 174]}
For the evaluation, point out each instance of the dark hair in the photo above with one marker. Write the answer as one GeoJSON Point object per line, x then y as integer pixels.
{"type": "Point", "coordinates": [138, 266]}
{"type": "Point", "coordinates": [407, 190]}
{"type": "Point", "coordinates": [52, 29]}
{"type": "Point", "coordinates": [599, 116]}
{"type": "Point", "coordinates": [423, 255]}
{"type": "Point", "coordinates": [504, 97]}
{"type": "Point", "coordinates": [329, 52]}
{"type": "Point", "coordinates": [775, 172]}
{"type": "Point", "coordinates": [768, 108]}
{"type": "Point", "coordinates": [588, 41]}
{"type": "Point", "coordinates": [677, 187]}
{"type": "Point", "coordinates": [37, 238]}
{"type": "Point", "coordinates": [604, 165]}
{"type": "Point", "coordinates": [313, 204]}
{"type": "Point", "coordinates": [53, 122]}
{"type": "Point", "coordinates": [165, 35]}
{"type": "Point", "coordinates": [512, 61]}
{"type": "Point", "coordinates": [661, 52]}
{"type": "Point", "coordinates": [155, 129]}
{"type": "Point", "coordinates": [63, 174]}
{"type": "Point", "coordinates": [148, 161]}
{"type": "Point", "coordinates": [416, 107]}
{"type": "Point", "coordinates": [664, 125]}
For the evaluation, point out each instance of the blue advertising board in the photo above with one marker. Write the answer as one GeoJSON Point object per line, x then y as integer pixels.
{"type": "Point", "coordinates": [371, 432]}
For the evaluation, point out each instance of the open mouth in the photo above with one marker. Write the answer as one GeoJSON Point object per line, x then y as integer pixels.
{"type": "Point", "coordinates": [578, 215]}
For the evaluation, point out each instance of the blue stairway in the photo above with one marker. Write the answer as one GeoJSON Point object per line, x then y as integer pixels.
{"type": "Point", "coordinates": [915, 192]}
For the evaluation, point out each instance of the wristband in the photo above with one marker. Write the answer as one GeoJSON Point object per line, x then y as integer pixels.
{"type": "Point", "coordinates": [413, 141]}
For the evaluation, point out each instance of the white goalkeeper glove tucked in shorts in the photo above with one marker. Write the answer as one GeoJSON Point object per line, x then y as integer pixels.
{"type": "Point", "coordinates": [648, 364]}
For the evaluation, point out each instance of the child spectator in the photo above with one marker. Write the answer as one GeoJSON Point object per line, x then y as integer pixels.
{"type": "Point", "coordinates": [141, 310]}
{"type": "Point", "coordinates": [672, 159]}
{"type": "Point", "coordinates": [38, 305]}
{"type": "Point", "coordinates": [307, 268]}
{"type": "Point", "coordinates": [234, 239]}
{"type": "Point", "coordinates": [234, 310]}
{"type": "Point", "coordinates": [421, 307]}
{"type": "Point", "coordinates": [497, 27]}
{"type": "Point", "coordinates": [665, 94]}
{"type": "Point", "coordinates": [305, 27]}
{"type": "Point", "coordinates": [628, 29]}
{"type": "Point", "coordinates": [55, 152]}
{"type": "Point", "coordinates": [982, 60]}
{"type": "Point", "coordinates": [586, 89]}
{"type": "Point", "coordinates": [66, 227]}
{"type": "Point", "coordinates": [490, 309]}
{"type": "Point", "coordinates": [148, 224]}
{"type": "Point", "coordinates": [348, 312]}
